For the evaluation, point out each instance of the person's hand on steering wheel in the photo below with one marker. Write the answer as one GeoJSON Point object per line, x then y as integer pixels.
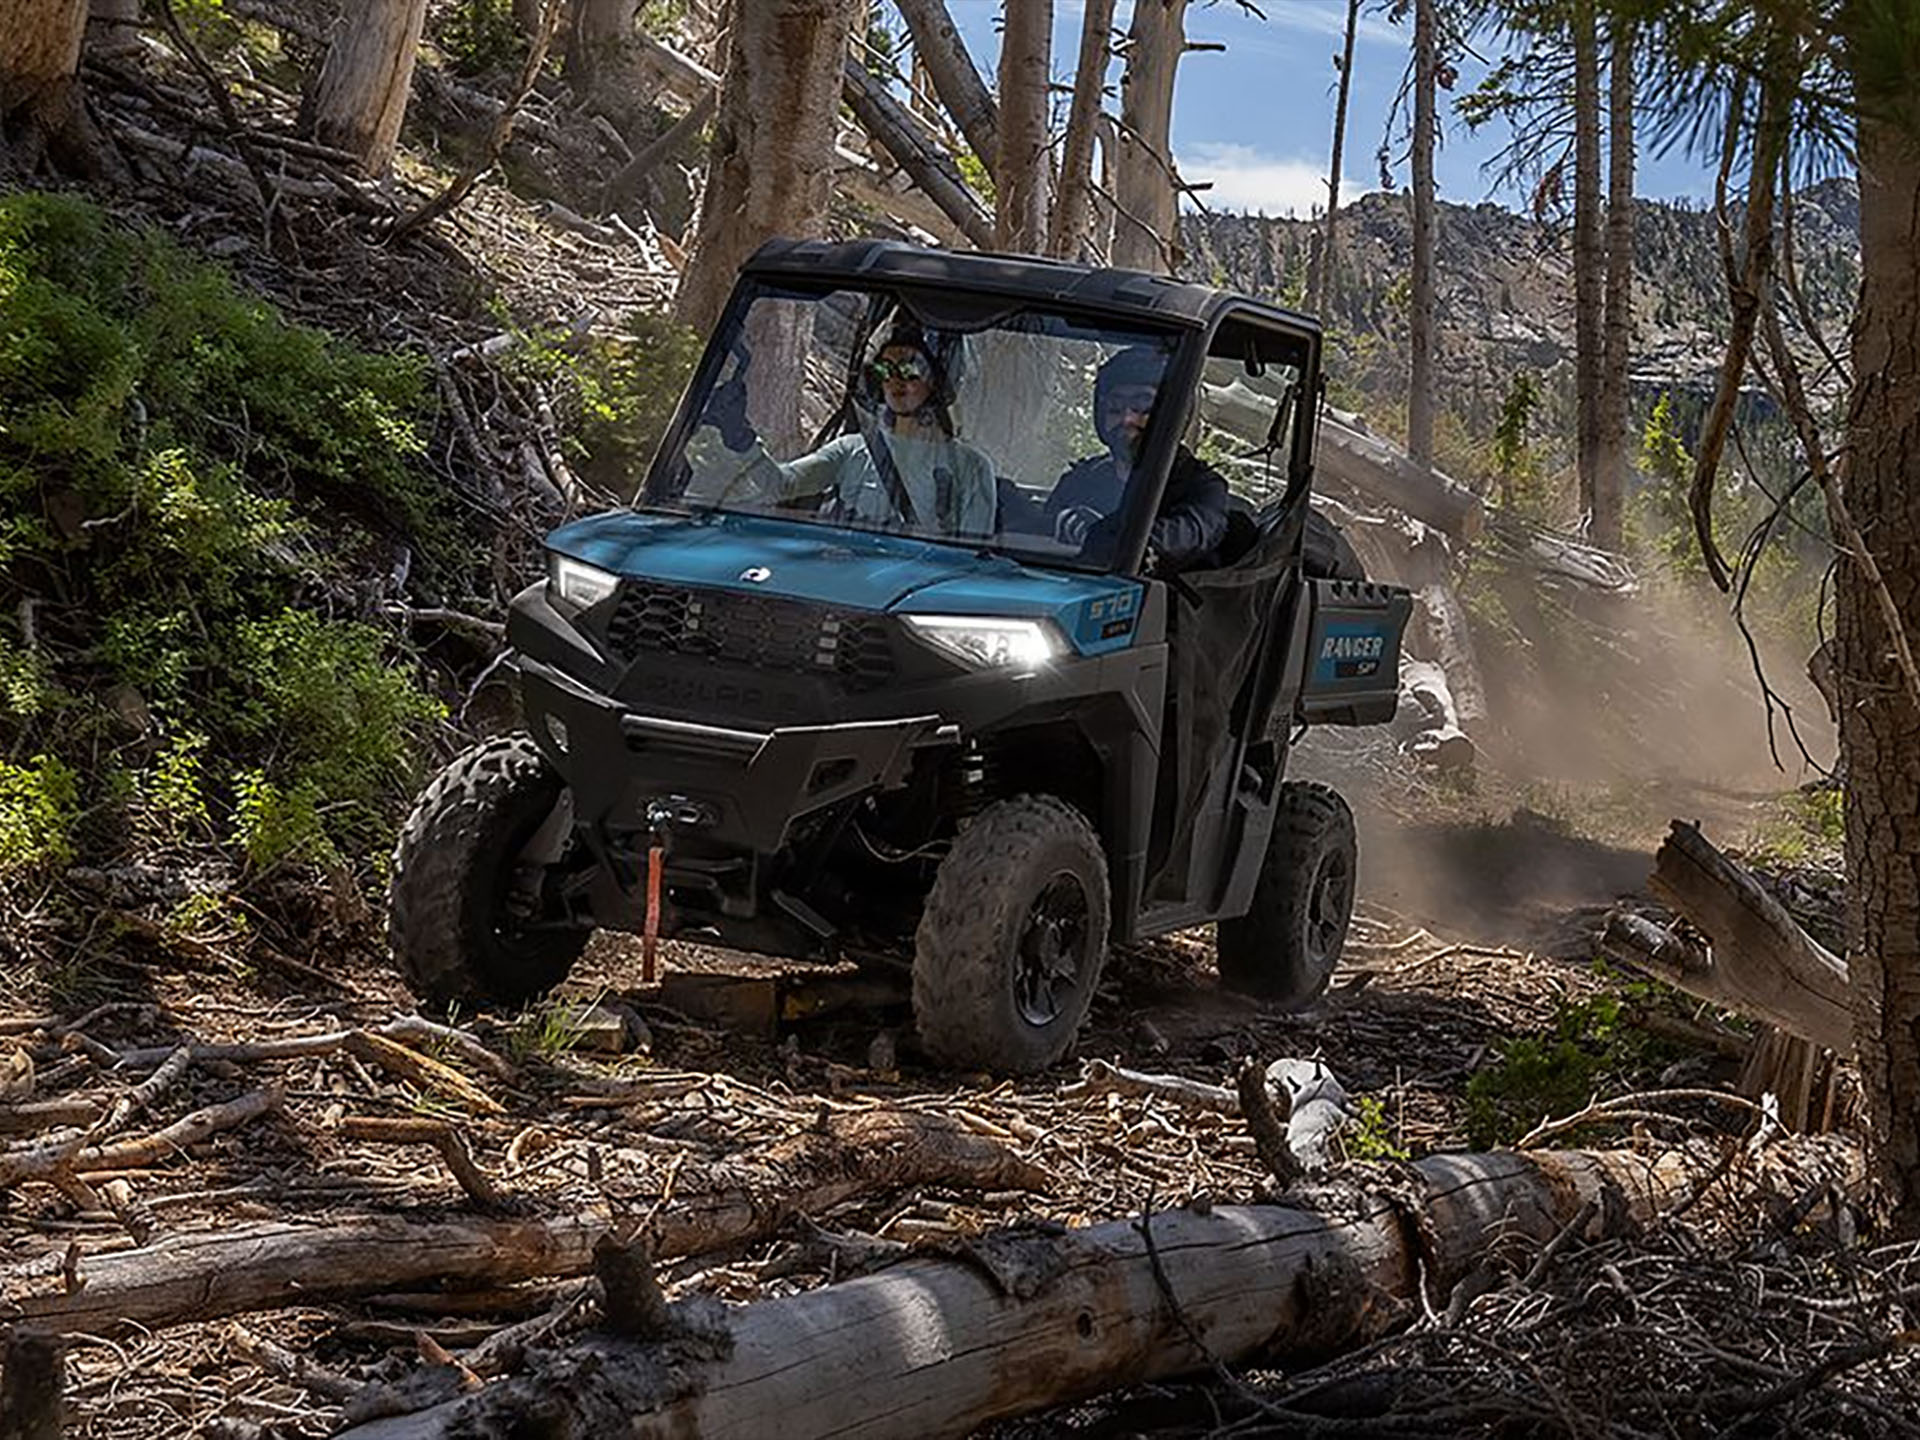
{"type": "Point", "coordinates": [1072, 525]}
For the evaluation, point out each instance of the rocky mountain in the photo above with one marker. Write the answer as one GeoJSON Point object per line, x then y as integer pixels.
{"type": "Point", "coordinates": [1505, 294]}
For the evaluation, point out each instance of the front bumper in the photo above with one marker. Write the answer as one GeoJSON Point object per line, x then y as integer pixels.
{"type": "Point", "coordinates": [740, 788]}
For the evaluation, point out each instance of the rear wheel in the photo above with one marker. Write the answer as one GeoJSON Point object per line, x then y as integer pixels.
{"type": "Point", "coordinates": [1285, 947]}
{"type": "Point", "coordinates": [1012, 938]}
{"type": "Point", "coordinates": [464, 895]}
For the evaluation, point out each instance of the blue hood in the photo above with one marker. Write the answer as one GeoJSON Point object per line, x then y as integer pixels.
{"type": "Point", "coordinates": [853, 568]}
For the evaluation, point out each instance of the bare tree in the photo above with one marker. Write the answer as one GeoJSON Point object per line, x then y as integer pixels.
{"type": "Point", "coordinates": [771, 168]}
{"type": "Point", "coordinates": [359, 97]}
{"type": "Point", "coordinates": [1426, 64]}
{"type": "Point", "coordinates": [1020, 184]}
{"type": "Point", "coordinates": [1067, 233]}
{"type": "Point", "coordinates": [1320, 267]}
{"type": "Point", "coordinates": [956, 80]}
{"type": "Point", "coordinates": [595, 29]}
{"type": "Point", "coordinates": [1611, 436]}
{"type": "Point", "coordinates": [41, 113]}
{"type": "Point", "coordinates": [1146, 196]}
{"type": "Point", "coordinates": [1589, 261]}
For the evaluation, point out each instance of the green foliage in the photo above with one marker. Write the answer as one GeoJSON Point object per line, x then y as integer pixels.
{"type": "Point", "coordinates": [1514, 462]}
{"type": "Point", "coordinates": [552, 1029]}
{"type": "Point", "coordinates": [623, 388]}
{"type": "Point", "coordinates": [173, 455]}
{"type": "Point", "coordinates": [974, 171]}
{"type": "Point", "coordinates": [1593, 1044]}
{"type": "Point", "coordinates": [38, 804]}
{"type": "Point", "coordinates": [478, 36]}
{"type": "Point", "coordinates": [1371, 1134]}
{"type": "Point", "coordinates": [1809, 829]}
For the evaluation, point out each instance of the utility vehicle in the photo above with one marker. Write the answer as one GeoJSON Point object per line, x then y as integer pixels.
{"type": "Point", "coordinates": [780, 718]}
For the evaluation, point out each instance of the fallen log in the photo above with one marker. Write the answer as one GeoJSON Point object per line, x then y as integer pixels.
{"type": "Point", "coordinates": [886, 120]}
{"type": "Point", "coordinates": [1025, 1321]}
{"type": "Point", "coordinates": [1761, 963]}
{"type": "Point", "coordinates": [215, 1274]}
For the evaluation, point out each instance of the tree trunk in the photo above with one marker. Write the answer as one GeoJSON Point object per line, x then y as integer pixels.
{"type": "Point", "coordinates": [1320, 269]}
{"type": "Point", "coordinates": [40, 106]}
{"type": "Point", "coordinates": [886, 120]}
{"type": "Point", "coordinates": [1067, 236]}
{"type": "Point", "coordinates": [1144, 194]}
{"type": "Point", "coordinates": [1589, 298]}
{"type": "Point", "coordinates": [1020, 174]}
{"type": "Point", "coordinates": [956, 80]}
{"type": "Point", "coordinates": [1420, 330]}
{"type": "Point", "coordinates": [360, 95]}
{"type": "Point", "coordinates": [595, 31]}
{"type": "Point", "coordinates": [1611, 450]}
{"type": "Point", "coordinates": [771, 168]}
{"type": "Point", "coordinates": [935, 1349]}
{"type": "Point", "coordinates": [1877, 712]}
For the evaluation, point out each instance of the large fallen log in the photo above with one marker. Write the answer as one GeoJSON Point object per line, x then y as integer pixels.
{"type": "Point", "coordinates": [213, 1274]}
{"type": "Point", "coordinates": [1761, 963]}
{"type": "Point", "coordinates": [1027, 1321]}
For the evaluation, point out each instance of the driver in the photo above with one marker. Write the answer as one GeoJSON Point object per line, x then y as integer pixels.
{"type": "Point", "coordinates": [909, 471]}
{"type": "Point", "coordinates": [1086, 503]}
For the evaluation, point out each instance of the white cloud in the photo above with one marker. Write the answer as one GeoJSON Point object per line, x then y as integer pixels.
{"type": "Point", "coordinates": [1246, 179]}
{"type": "Point", "coordinates": [1329, 17]}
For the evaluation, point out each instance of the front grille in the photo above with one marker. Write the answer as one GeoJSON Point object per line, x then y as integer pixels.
{"type": "Point", "coordinates": [761, 632]}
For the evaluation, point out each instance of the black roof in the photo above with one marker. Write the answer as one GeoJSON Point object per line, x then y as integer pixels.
{"type": "Point", "coordinates": [1124, 292]}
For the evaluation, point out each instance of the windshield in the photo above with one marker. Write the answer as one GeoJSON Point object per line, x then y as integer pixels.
{"type": "Point", "coordinates": [1016, 430]}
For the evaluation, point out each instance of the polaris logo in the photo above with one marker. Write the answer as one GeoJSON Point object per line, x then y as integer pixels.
{"type": "Point", "coordinates": [1353, 647]}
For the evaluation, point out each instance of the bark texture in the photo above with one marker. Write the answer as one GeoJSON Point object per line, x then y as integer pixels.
{"type": "Point", "coordinates": [1020, 184]}
{"type": "Point", "coordinates": [935, 1349]}
{"type": "Point", "coordinates": [595, 30]}
{"type": "Point", "coordinates": [1878, 720]}
{"type": "Point", "coordinates": [1611, 448]}
{"type": "Point", "coordinates": [1144, 195]}
{"type": "Point", "coordinates": [40, 109]}
{"type": "Point", "coordinates": [1067, 232]}
{"type": "Point", "coordinates": [771, 168]}
{"type": "Point", "coordinates": [1589, 261]}
{"type": "Point", "coordinates": [956, 80]}
{"type": "Point", "coordinates": [1420, 337]}
{"type": "Point", "coordinates": [360, 96]}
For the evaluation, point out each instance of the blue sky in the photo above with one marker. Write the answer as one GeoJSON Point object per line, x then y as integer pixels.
{"type": "Point", "coordinates": [1257, 119]}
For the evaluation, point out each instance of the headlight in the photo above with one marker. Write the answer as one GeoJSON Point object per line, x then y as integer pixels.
{"type": "Point", "coordinates": [577, 582]}
{"type": "Point", "coordinates": [987, 643]}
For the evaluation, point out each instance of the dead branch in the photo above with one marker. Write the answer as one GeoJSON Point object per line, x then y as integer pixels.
{"type": "Point", "coordinates": [204, 1276]}
{"type": "Point", "coordinates": [497, 134]}
{"type": "Point", "coordinates": [407, 1130]}
{"type": "Point", "coordinates": [1268, 1124]}
{"type": "Point", "coordinates": [1101, 1077]}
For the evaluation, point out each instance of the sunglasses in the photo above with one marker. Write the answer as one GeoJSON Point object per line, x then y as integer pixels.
{"type": "Point", "coordinates": [911, 368]}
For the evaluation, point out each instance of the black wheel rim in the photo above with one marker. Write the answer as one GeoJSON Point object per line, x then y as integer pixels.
{"type": "Point", "coordinates": [1329, 903]}
{"type": "Point", "coordinates": [1051, 956]}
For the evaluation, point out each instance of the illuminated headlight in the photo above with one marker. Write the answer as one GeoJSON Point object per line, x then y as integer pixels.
{"type": "Point", "coordinates": [988, 643]}
{"type": "Point", "coordinates": [577, 582]}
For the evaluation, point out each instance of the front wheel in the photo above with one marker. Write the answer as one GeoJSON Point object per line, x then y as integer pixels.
{"type": "Point", "coordinates": [1012, 939]}
{"type": "Point", "coordinates": [464, 896]}
{"type": "Point", "coordinates": [1285, 947]}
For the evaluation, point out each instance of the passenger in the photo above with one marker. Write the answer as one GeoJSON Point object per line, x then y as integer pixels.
{"type": "Point", "coordinates": [938, 485]}
{"type": "Point", "coordinates": [1086, 503]}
